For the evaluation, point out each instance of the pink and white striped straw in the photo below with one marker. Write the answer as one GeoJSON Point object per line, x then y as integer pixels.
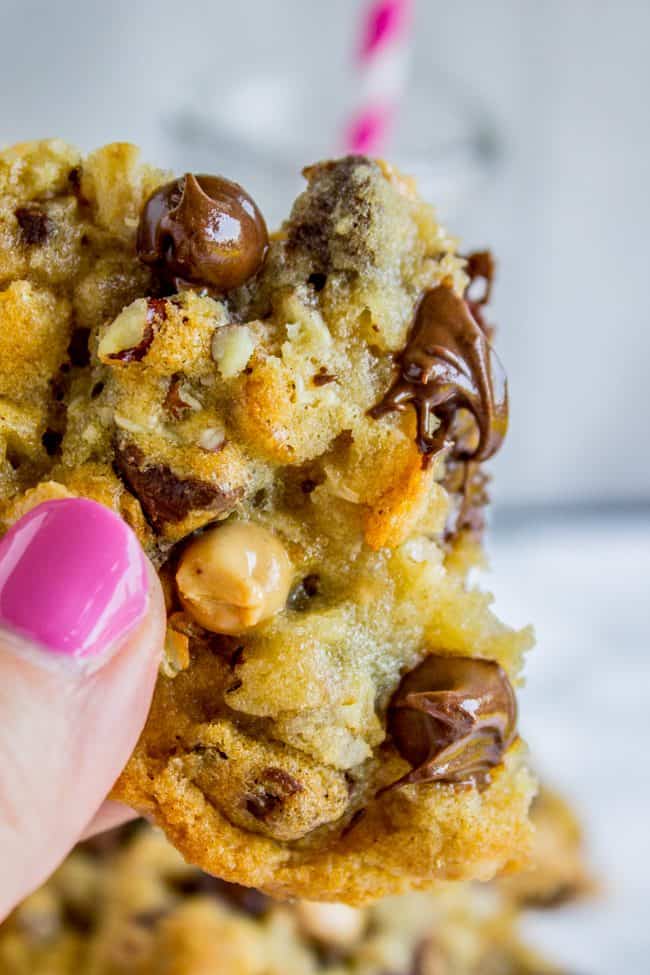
{"type": "Point", "coordinates": [381, 63]}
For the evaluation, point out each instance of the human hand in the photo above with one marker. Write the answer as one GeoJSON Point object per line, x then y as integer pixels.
{"type": "Point", "coordinates": [82, 623]}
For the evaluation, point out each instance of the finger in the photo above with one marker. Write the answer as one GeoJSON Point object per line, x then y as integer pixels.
{"type": "Point", "coordinates": [108, 816]}
{"type": "Point", "coordinates": [82, 624]}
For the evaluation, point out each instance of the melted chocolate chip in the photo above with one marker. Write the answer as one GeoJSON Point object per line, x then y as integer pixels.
{"type": "Point", "coordinates": [245, 899]}
{"type": "Point", "coordinates": [447, 365]}
{"type": "Point", "coordinates": [204, 230]}
{"type": "Point", "coordinates": [480, 267]}
{"type": "Point", "coordinates": [271, 790]}
{"type": "Point", "coordinates": [452, 719]}
{"type": "Point", "coordinates": [466, 484]}
{"type": "Point", "coordinates": [164, 496]}
{"type": "Point", "coordinates": [35, 225]}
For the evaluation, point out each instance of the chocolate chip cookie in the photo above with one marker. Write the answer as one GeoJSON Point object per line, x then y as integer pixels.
{"type": "Point", "coordinates": [125, 903]}
{"type": "Point", "coordinates": [295, 425]}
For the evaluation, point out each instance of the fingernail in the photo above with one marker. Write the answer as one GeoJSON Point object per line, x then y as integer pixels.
{"type": "Point", "coordinates": [73, 578]}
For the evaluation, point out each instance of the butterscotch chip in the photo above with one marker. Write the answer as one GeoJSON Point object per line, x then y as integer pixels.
{"type": "Point", "coordinates": [234, 577]}
{"type": "Point", "coordinates": [295, 427]}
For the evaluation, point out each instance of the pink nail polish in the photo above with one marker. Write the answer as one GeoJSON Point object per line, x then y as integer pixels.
{"type": "Point", "coordinates": [73, 577]}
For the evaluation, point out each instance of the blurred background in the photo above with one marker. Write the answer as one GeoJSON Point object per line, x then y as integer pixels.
{"type": "Point", "coordinates": [527, 125]}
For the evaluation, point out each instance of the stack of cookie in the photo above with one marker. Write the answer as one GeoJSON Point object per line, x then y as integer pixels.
{"type": "Point", "coordinates": [127, 903]}
{"type": "Point", "coordinates": [295, 426]}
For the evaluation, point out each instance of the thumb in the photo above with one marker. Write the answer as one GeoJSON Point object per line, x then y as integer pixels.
{"type": "Point", "coordinates": [81, 630]}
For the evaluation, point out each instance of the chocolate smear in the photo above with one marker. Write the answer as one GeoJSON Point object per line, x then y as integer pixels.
{"type": "Point", "coordinates": [448, 365]}
{"type": "Point", "coordinates": [204, 230]}
{"type": "Point", "coordinates": [452, 718]}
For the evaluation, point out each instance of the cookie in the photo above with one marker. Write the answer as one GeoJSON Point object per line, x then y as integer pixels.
{"type": "Point", "coordinates": [557, 872]}
{"type": "Point", "coordinates": [126, 903]}
{"type": "Point", "coordinates": [295, 425]}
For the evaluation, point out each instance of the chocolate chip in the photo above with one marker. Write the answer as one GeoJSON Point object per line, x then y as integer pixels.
{"type": "Point", "coordinates": [228, 648]}
{"type": "Point", "coordinates": [97, 390]}
{"type": "Point", "coordinates": [14, 457]}
{"type": "Point", "coordinates": [308, 486]}
{"type": "Point", "coordinates": [323, 377]}
{"type": "Point", "coordinates": [74, 178]}
{"type": "Point", "coordinates": [204, 230]}
{"type": "Point", "coordinates": [51, 441]}
{"type": "Point", "coordinates": [448, 365]}
{"type": "Point", "coordinates": [317, 281]}
{"type": "Point", "coordinates": [35, 225]}
{"type": "Point", "coordinates": [155, 316]}
{"type": "Point", "coordinates": [242, 899]}
{"type": "Point", "coordinates": [452, 719]}
{"type": "Point", "coordinates": [311, 584]}
{"type": "Point", "coordinates": [304, 592]}
{"type": "Point", "coordinates": [166, 497]}
{"type": "Point", "coordinates": [273, 787]}
{"type": "Point", "coordinates": [78, 349]}
{"type": "Point", "coordinates": [343, 440]}
{"type": "Point", "coordinates": [78, 917]}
